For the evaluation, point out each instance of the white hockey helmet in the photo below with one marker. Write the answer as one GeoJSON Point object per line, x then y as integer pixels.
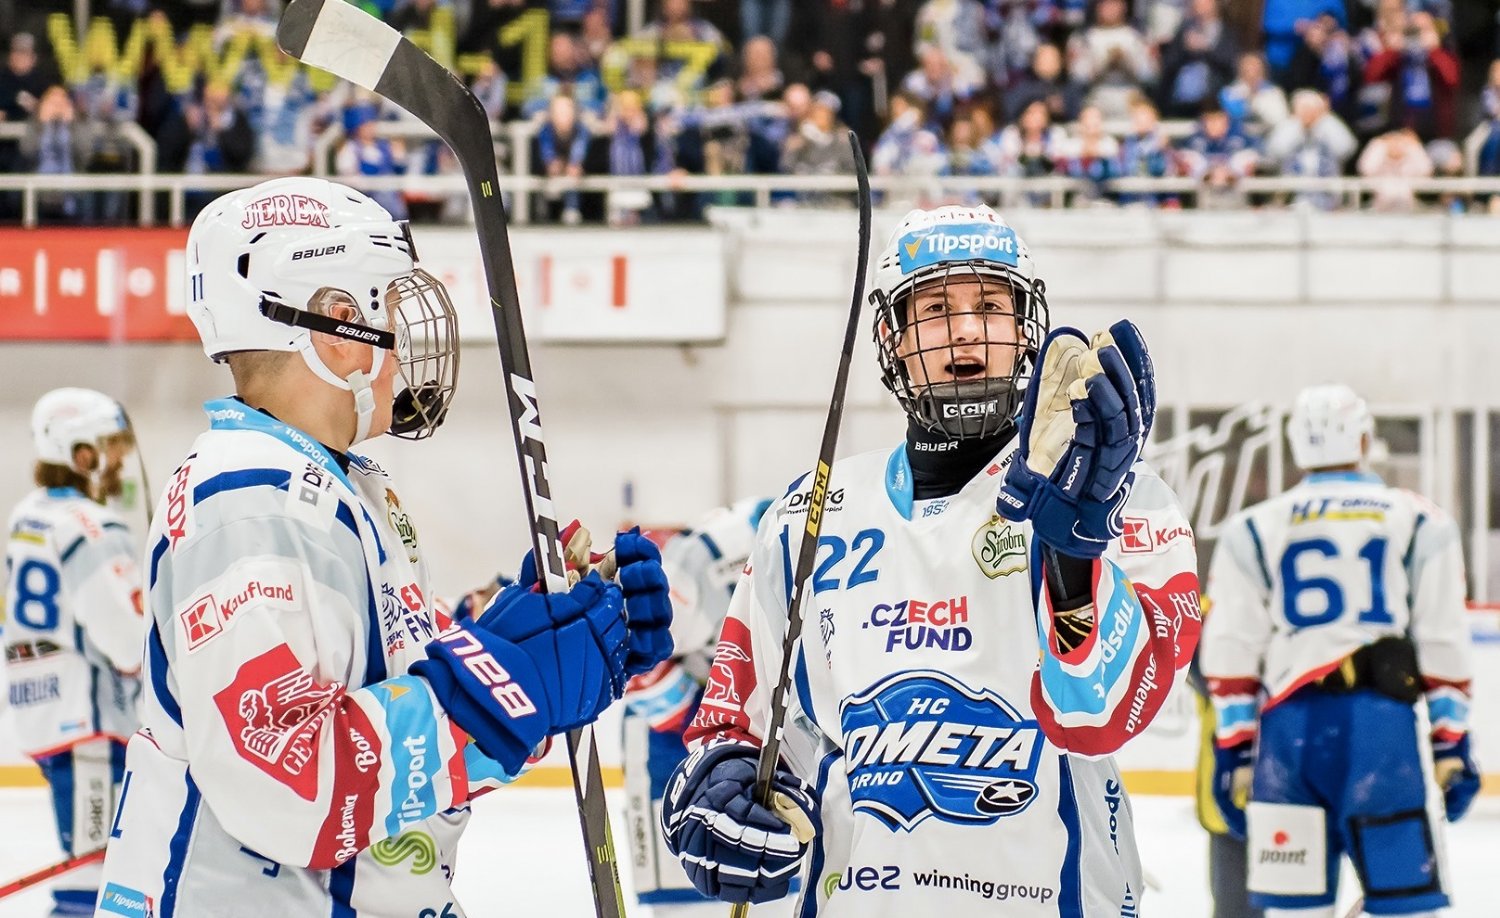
{"type": "Point", "coordinates": [263, 261]}
{"type": "Point", "coordinates": [64, 419]}
{"type": "Point", "coordinates": [944, 245]}
{"type": "Point", "coordinates": [1328, 427]}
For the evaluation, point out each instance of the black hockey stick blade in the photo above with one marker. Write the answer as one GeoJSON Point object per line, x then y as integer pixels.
{"type": "Point", "coordinates": [770, 750]}
{"type": "Point", "coordinates": [349, 43]}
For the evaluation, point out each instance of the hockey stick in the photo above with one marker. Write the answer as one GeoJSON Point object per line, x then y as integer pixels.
{"type": "Point", "coordinates": [770, 749]}
{"type": "Point", "coordinates": [47, 873]}
{"type": "Point", "coordinates": [349, 43]}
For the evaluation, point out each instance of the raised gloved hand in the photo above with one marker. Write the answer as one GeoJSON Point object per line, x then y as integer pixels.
{"type": "Point", "coordinates": [648, 604]}
{"type": "Point", "coordinates": [1234, 769]}
{"type": "Point", "coordinates": [733, 848]}
{"type": "Point", "coordinates": [1088, 409]}
{"type": "Point", "coordinates": [532, 665]}
{"type": "Point", "coordinates": [1457, 776]}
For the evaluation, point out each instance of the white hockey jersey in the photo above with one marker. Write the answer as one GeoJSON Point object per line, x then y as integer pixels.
{"type": "Point", "coordinates": [1299, 582]}
{"type": "Point", "coordinates": [287, 763]}
{"type": "Point", "coordinates": [73, 625]}
{"type": "Point", "coordinates": [961, 759]}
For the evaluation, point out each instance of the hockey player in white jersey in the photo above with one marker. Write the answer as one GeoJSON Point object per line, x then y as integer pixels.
{"type": "Point", "coordinates": [998, 604]}
{"type": "Point", "coordinates": [702, 565]}
{"type": "Point", "coordinates": [312, 730]}
{"type": "Point", "coordinates": [1338, 606]}
{"type": "Point", "coordinates": [73, 629]}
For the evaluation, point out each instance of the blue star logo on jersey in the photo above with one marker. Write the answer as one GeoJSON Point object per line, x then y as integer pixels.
{"type": "Point", "coordinates": [921, 743]}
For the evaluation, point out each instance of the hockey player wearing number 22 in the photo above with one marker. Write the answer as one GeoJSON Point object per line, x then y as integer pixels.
{"type": "Point", "coordinates": [998, 605]}
{"type": "Point", "coordinates": [312, 730]}
{"type": "Point", "coordinates": [1337, 619]}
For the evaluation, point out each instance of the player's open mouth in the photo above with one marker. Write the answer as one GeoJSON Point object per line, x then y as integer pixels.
{"type": "Point", "coordinates": [965, 368]}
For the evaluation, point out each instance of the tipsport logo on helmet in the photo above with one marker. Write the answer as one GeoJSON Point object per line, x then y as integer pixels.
{"type": "Point", "coordinates": [961, 242]}
{"type": "Point", "coordinates": [921, 743]}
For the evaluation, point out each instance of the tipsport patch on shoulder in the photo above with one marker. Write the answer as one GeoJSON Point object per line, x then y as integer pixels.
{"type": "Point", "coordinates": [921, 743]}
{"type": "Point", "coordinates": [958, 242]}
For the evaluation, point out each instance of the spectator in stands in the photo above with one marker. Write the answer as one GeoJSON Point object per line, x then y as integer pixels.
{"type": "Point", "coordinates": [22, 82]}
{"type": "Point", "coordinates": [568, 74]}
{"type": "Point", "coordinates": [1329, 60]}
{"type": "Point", "coordinates": [250, 17]}
{"type": "Point", "coordinates": [632, 151]}
{"type": "Point", "coordinates": [217, 139]}
{"type": "Point", "coordinates": [105, 94]}
{"type": "Point", "coordinates": [842, 45]}
{"type": "Point", "coordinates": [59, 142]}
{"type": "Point", "coordinates": [1395, 159]}
{"type": "Point", "coordinates": [1482, 146]}
{"type": "Point", "coordinates": [490, 87]}
{"type": "Point", "coordinates": [1218, 155]}
{"type": "Point", "coordinates": [595, 35]}
{"type": "Point", "coordinates": [759, 79]}
{"type": "Point", "coordinates": [1046, 81]}
{"type": "Point", "coordinates": [677, 23]}
{"type": "Point", "coordinates": [1145, 151]}
{"type": "Point", "coordinates": [1030, 147]}
{"type": "Point", "coordinates": [1016, 39]}
{"type": "Point", "coordinates": [1198, 61]}
{"type": "Point", "coordinates": [956, 28]}
{"type": "Point", "coordinates": [1253, 102]}
{"type": "Point", "coordinates": [364, 152]}
{"type": "Point", "coordinates": [1282, 20]}
{"type": "Point", "coordinates": [1091, 153]}
{"type": "Point", "coordinates": [908, 147]}
{"type": "Point", "coordinates": [290, 116]}
{"type": "Point", "coordinates": [558, 152]}
{"type": "Point", "coordinates": [765, 18]}
{"type": "Point", "coordinates": [820, 146]}
{"type": "Point", "coordinates": [1423, 78]}
{"type": "Point", "coordinates": [939, 86]}
{"type": "Point", "coordinates": [966, 155]}
{"type": "Point", "coordinates": [1111, 60]}
{"type": "Point", "coordinates": [1313, 142]}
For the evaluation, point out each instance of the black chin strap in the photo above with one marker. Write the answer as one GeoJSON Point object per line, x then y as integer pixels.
{"type": "Point", "coordinates": [941, 465]}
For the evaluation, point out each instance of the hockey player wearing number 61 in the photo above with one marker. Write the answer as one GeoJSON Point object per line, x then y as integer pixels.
{"type": "Point", "coordinates": [998, 605]}
{"type": "Point", "coordinates": [312, 729]}
{"type": "Point", "coordinates": [1338, 606]}
{"type": "Point", "coordinates": [72, 625]}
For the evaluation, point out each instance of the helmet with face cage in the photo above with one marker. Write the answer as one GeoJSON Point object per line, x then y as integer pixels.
{"type": "Point", "coordinates": [934, 248]}
{"type": "Point", "coordinates": [266, 266]}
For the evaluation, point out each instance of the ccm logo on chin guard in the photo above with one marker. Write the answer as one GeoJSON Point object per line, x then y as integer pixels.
{"type": "Point", "coordinates": [484, 667]}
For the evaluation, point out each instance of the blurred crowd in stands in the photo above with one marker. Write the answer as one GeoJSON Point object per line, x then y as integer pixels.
{"type": "Point", "coordinates": [1095, 90]}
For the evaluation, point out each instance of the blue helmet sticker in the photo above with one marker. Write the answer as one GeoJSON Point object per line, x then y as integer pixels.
{"type": "Point", "coordinates": [921, 743]}
{"type": "Point", "coordinates": [947, 242]}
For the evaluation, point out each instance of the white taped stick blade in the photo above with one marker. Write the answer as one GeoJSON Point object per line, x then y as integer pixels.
{"type": "Point", "coordinates": [350, 43]}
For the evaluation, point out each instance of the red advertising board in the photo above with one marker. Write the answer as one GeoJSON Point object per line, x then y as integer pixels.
{"type": "Point", "coordinates": [92, 285]}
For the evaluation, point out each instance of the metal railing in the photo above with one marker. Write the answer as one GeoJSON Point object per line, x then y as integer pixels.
{"type": "Point", "coordinates": [761, 189]}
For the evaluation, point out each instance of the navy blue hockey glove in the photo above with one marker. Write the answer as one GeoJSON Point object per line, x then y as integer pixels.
{"type": "Point", "coordinates": [732, 848]}
{"type": "Point", "coordinates": [532, 665]}
{"type": "Point", "coordinates": [648, 606]}
{"type": "Point", "coordinates": [1457, 776]}
{"type": "Point", "coordinates": [1234, 768]}
{"type": "Point", "coordinates": [1084, 422]}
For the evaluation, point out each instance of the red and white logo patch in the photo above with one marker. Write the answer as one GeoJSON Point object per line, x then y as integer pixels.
{"type": "Point", "coordinates": [1136, 539]}
{"type": "Point", "coordinates": [200, 622]}
{"type": "Point", "coordinates": [731, 682]}
{"type": "Point", "coordinates": [274, 710]}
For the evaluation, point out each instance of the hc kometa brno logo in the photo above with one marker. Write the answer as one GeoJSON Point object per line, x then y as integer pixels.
{"type": "Point", "coordinates": [921, 743]}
